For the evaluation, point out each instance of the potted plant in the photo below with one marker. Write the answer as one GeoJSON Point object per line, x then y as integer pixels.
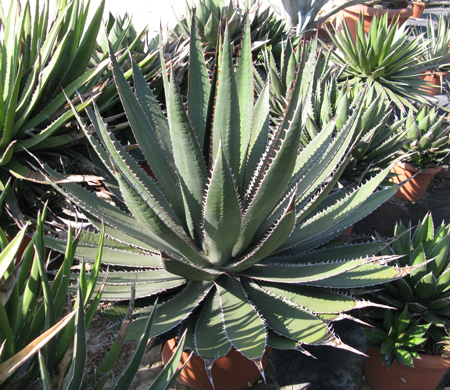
{"type": "Point", "coordinates": [437, 55]}
{"type": "Point", "coordinates": [395, 11]}
{"type": "Point", "coordinates": [428, 148]}
{"type": "Point", "coordinates": [418, 334]}
{"type": "Point", "coordinates": [418, 8]}
{"type": "Point", "coordinates": [387, 58]}
{"type": "Point", "coordinates": [230, 230]}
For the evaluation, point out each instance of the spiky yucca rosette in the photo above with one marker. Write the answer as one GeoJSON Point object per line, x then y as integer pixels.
{"type": "Point", "coordinates": [230, 227]}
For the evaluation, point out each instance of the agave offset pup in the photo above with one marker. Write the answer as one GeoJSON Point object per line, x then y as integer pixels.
{"type": "Point", "coordinates": [229, 225]}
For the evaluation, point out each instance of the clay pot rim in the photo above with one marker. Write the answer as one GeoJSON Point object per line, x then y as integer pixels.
{"type": "Point", "coordinates": [428, 361]}
{"type": "Point", "coordinates": [410, 167]}
{"type": "Point", "coordinates": [392, 13]}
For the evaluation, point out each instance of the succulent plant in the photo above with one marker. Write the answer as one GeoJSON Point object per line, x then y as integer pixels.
{"type": "Point", "coordinates": [398, 337]}
{"type": "Point", "coordinates": [428, 138]}
{"type": "Point", "coordinates": [438, 44]}
{"type": "Point", "coordinates": [425, 291]}
{"type": "Point", "coordinates": [212, 15]}
{"type": "Point", "coordinates": [41, 57]}
{"type": "Point", "coordinates": [308, 15]}
{"type": "Point", "coordinates": [230, 224]}
{"type": "Point", "coordinates": [30, 312]}
{"type": "Point", "coordinates": [378, 137]}
{"type": "Point", "coordinates": [387, 58]}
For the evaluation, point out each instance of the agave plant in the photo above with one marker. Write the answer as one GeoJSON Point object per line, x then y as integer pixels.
{"type": "Point", "coordinates": [266, 27]}
{"type": "Point", "coordinates": [398, 337]}
{"type": "Point", "coordinates": [428, 138]}
{"type": "Point", "coordinates": [425, 291]}
{"type": "Point", "coordinates": [230, 225]}
{"type": "Point", "coordinates": [211, 14]}
{"type": "Point", "coordinates": [387, 58]}
{"type": "Point", "coordinates": [378, 138]}
{"type": "Point", "coordinates": [308, 15]}
{"type": "Point", "coordinates": [279, 65]}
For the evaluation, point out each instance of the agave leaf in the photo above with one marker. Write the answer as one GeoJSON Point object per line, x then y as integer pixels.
{"type": "Point", "coordinates": [199, 85]}
{"type": "Point", "coordinates": [227, 112]}
{"type": "Point", "coordinates": [280, 342]}
{"type": "Point", "coordinates": [112, 256]}
{"type": "Point", "coordinates": [298, 324]}
{"type": "Point", "coordinates": [244, 326]}
{"type": "Point", "coordinates": [268, 244]}
{"type": "Point", "coordinates": [211, 339]}
{"type": "Point", "coordinates": [128, 167]}
{"type": "Point", "coordinates": [301, 273]}
{"type": "Point", "coordinates": [366, 275]}
{"type": "Point", "coordinates": [282, 161]}
{"type": "Point", "coordinates": [222, 213]}
{"type": "Point", "coordinates": [343, 213]}
{"type": "Point", "coordinates": [244, 81]}
{"type": "Point", "coordinates": [177, 242]}
{"type": "Point", "coordinates": [121, 292]}
{"type": "Point", "coordinates": [425, 287]}
{"type": "Point", "coordinates": [145, 117]}
{"type": "Point", "coordinates": [188, 158]}
{"type": "Point", "coordinates": [317, 301]}
{"type": "Point", "coordinates": [440, 253]}
{"type": "Point", "coordinates": [259, 134]}
{"type": "Point", "coordinates": [333, 253]}
{"type": "Point", "coordinates": [171, 313]}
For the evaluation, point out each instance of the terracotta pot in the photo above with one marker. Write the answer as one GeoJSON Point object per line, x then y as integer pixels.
{"type": "Point", "coordinates": [418, 8]}
{"type": "Point", "coordinates": [426, 374]}
{"type": "Point", "coordinates": [434, 82]}
{"type": "Point", "coordinates": [348, 230]}
{"type": "Point", "coordinates": [351, 15]}
{"type": "Point", "coordinates": [414, 189]}
{"type": "Point", "coordinates": [231, 372]}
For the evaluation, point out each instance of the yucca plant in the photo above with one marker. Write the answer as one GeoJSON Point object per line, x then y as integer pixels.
{"type": "Point", "coordinates": [34, 339]}
{"type": "Point", "coordinates": [428, 138]}
{"type": "Point", "coordinates": [387, 58]}
{"type": "Point", "coordinates": [398, 337]}
{"type": "Point", "coordinates": [230, 225]}
{"type": "Point", "coordinates": [41, 57]}
{"type": "Point", "coordinates": [438, 44]}
{"type": "Point", "coordinates": [426, 290]}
